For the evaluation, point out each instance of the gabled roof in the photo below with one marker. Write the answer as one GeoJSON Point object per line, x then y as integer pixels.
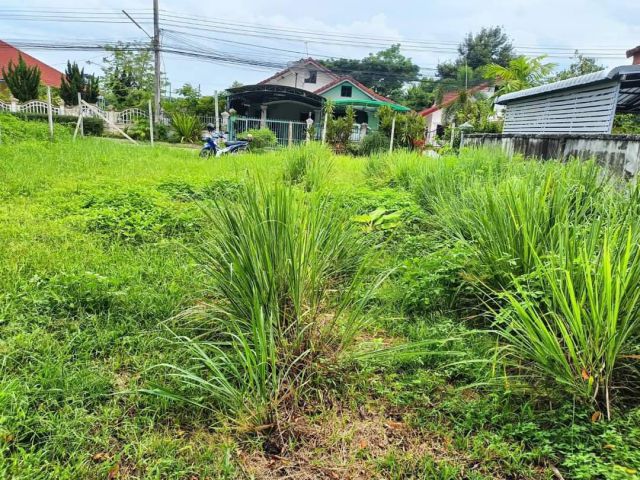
{"type": "Point", "coordinates": [369, 92]}
{"type": "Point", "coordinates": [48, 75]}
{"type": "Point", "coordinates": [300, 63]}
{"type": "Point", "coordinates": [449, 98]}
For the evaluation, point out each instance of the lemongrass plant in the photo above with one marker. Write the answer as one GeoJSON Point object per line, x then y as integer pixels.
{"type": "Point", "coordinates": [282, 266]}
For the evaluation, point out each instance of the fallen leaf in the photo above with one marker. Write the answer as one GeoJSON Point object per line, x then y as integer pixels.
{"type": "Point", "coordinates": [363, 444]}
{"type": "Point", "coordinates": [395, 425]}
{"type": "Point", "coordinates": [113, 472]}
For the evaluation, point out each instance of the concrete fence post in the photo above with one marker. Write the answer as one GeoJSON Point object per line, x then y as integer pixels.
{"type": "Point", "coordinates": [290, 142]}
{"type": "Point", "coordinates": [50, 113]}
{"type": "Point", "coordinates": [393, 132]}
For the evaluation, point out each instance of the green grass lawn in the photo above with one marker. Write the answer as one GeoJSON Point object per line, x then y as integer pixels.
{"type": "Point", "coordinates": [96, 242]}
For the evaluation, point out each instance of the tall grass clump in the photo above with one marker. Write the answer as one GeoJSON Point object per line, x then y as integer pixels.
{"type": "Point", "coordinates": [282, 266]}
{"type": "Point", "coordinates": [583, 325]}
{"type": "Point", "coordinates": [309, 165]}
{"type": "Point", "coordinates": [511, 221]}
{"type": "Point", "coordinates": [556, 257]}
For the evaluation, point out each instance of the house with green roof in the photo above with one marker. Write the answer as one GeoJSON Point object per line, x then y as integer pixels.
{"type": "Point", "coordinates": [299, 92]}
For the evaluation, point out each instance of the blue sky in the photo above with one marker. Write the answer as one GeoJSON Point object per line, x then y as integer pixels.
{"type": "Point", "coordinates": [546, 25]}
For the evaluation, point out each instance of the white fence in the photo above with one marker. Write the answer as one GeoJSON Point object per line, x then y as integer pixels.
{"type": "Point", "coordinates": [123, 118]}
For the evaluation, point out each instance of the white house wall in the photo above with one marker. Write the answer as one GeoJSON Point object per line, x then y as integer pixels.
{"type": "Point", "coordinates": [290, 79]}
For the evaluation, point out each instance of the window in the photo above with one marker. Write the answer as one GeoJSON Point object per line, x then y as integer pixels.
{"type": "Point", "coordinates": [312, 78]}
{"type": "Point", "coordinates": [345, 91]}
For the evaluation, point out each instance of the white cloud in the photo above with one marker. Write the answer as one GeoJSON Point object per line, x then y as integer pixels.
{"type": "Point", "coordinates": [544, 23]}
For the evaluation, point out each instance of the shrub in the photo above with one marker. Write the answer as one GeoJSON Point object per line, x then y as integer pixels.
{"type": "Point", "coordinates": [275, 262]}
{"type": "Point", "coordinates": [374, 142]}
{"type": "Point", "coordinates": [187, 126]}
{"type": "Point", "coordinates": [140, 130]}
{"type": "Point", "coordinates": [339, 129]}
{"type": "Point", "coordinates": [261, 138]}
{"type": "Point", "coordinates": [91, 125]}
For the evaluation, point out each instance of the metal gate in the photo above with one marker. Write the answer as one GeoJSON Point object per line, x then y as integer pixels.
{"type": "Point", "coordinates": [286, 131]}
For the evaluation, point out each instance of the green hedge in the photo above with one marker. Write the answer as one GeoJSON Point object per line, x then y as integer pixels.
{"type": "Point", "coordinates": [92, 126]}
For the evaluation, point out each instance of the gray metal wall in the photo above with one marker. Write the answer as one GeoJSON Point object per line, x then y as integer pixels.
{"type": "Point", "coordinates": [588, 109]}
{"type": "Point", "coordinates": [621, 153]}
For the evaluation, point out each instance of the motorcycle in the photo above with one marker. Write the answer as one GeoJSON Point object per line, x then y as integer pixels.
{"type": "Point", "coordinates": [211, 147]}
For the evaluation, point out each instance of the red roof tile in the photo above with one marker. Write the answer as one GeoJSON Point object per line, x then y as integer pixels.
{"type": "Point", "coordinates": [48, 75]}
{"type": "Point", "coordinates": [449, 98]}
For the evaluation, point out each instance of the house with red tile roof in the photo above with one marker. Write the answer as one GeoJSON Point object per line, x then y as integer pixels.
{"type": "Point", "coordinates": [434, 114]}
{"type": "Point", "coordinates": [8, 53]}
{"type": "Point", "coordinates": [299, 91]}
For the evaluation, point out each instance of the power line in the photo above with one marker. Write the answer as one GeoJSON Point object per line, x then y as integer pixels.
{"type": "Point", "coordinates": [289, 34]}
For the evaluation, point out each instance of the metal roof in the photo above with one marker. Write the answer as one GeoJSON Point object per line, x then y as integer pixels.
{"type": "Point", "coordinates": [627, 75]}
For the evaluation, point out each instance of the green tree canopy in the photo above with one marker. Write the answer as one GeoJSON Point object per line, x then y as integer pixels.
{"type": "Point", "coordinates": [128, 76]}
{"type": "Point", "coordinates": [489, 46]}
{"type": "Point", "coordinates": [386, 71]}
{"type": "Point", "coordinates": [580, 66]}
{"type": "Point", "coordinates": [421, 95]}
{"type": "Point", "coordinates": [23, 81]}
{"type": "Point", "coordinates": [75, 81]}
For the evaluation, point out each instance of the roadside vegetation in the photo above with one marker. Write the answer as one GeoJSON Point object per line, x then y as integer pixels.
{"type": "Point", "coordinates": [310, 315]}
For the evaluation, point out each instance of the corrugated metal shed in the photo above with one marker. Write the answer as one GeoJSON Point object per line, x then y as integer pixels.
{"type": "Point", "coordinates": [585, 104]}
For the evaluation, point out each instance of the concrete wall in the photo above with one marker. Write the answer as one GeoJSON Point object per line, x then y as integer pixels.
{"type": "Point", "coordinates": [620, 152]}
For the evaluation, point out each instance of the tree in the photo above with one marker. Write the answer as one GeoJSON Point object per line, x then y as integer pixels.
{"type": "Point", "coordinates": [190, 101]}
{"type": "Point", "coordinates": [490, 46]}
{"type": "Point", "coordinates": [22, 80]}
{"type": "Point", "coordinates": [521, 73]}
{"type": "Point", "coordinates": [386, 71]}
{"type": "Point", "coordinates": [128, 76]}
{"type": "Point", "coordinates": [71, 83]}
{"type": "Point", "coordinates": [91, 89]}
{"type": "Point", "coordinates": [75, 81]}
{"type": "Point", "coordinates": [420, 95]}
{"type": "Point", "coordinates": [581, 66]}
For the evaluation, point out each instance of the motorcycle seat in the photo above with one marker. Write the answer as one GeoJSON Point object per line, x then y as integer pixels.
{"type": "Point", "coordinates": [234, 143]}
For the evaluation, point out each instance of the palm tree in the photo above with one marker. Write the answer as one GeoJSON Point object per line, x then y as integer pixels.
{"type": "Point", "coordinates": [521, 73]}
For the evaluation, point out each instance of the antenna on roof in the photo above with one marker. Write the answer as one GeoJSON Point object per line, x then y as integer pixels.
{"type": "Point", "coordinates": [306, 47]}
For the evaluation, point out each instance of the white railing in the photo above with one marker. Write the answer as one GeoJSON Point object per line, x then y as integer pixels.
{"type": "Point", "coordinates": [94, 111]}
{"type": "Point", "coordinates": [129, 116]}
{"type": "Point", "coordinates": [36, 106]}
{"type": "Point", "coordinates": [5, 107]}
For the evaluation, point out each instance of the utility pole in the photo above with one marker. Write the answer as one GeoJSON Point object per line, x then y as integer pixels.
{"type": "Point", "coordinates": [156, 54]}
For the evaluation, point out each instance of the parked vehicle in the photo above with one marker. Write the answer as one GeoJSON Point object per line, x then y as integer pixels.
{"type": "Point", "coordinates": [212, 148]}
